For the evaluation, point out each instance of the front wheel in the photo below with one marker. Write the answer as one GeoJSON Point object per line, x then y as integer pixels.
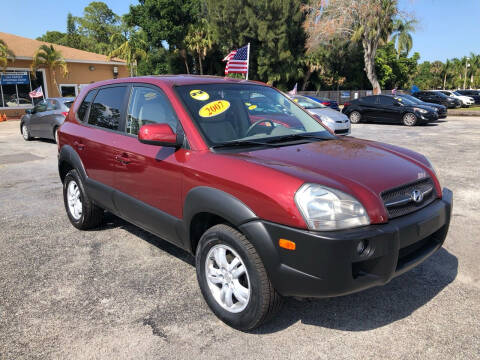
{"type": "Point", "coordinates": [233, 279]}
{"type": "Point", "coordinates": [355, 117]}
{"type": "Point", "coordinates": [26, 133]}
{"type": "Point", "coordinates": [409, 119]}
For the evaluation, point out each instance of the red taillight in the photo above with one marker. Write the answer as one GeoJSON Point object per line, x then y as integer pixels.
{"type": "Point", "coordinates": [326, 103]}
{"type": "Point", "coordinates": [346, 104]}
{"type": "Point", "coordinates": [65, 113]}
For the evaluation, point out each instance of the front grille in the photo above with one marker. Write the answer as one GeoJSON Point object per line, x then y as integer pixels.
{"type": "Point", "coordinates": [343, 131]}
{"type": "Point", "coordinates": [399, 201]}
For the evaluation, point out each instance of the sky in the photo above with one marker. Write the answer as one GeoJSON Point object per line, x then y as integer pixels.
{"type": "Point", "coordinates": [446, 28]}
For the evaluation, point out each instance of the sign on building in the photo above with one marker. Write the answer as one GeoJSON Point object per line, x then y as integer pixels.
{"type": "Point", "coordinates": [20, 78]}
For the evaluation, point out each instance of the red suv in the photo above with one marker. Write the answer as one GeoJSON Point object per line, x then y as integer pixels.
{"type": "Point", "coordinates": [268, 200]}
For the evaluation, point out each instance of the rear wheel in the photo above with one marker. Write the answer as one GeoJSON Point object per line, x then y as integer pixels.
{"type": "Point", "coordinates": [81, 211]}
{"type": "Point", "coordinates": [55, 134]}
{"type": "Point", "coordinates": [355, 117]}
{"type": "Point", "coordinates": [26, 133]}
{"type": "Point", "coordinates": [409, 119]}
{"type": "Point", "coordinates": [233, 279]}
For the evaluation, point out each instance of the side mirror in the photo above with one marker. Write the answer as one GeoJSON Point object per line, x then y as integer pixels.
{"type": "Point", "coordinates": [158, 134]}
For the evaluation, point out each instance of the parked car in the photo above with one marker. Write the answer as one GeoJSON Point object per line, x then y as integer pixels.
{"type": "Point", "coordinates": [45, 118]}
{"type": "Point", "coordinates": [268, 209]}
{"type": "Point", "coordinates": [386, 108]}
{"type": "Point", "coordinates": [438, 98]}
{"type": "Point", "coordinates": [441, 109]}
{"type": "Point", "coordinates": [466, 100]}
{"type": "Point", "coordinates": [327, 102]}
{"type": "Point", "coordinates": [336, 121]}
{"type": "Point", "coordinates": [474, 94]}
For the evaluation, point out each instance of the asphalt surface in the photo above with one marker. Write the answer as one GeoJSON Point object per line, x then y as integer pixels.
{"type": "Point", "coordinates": [121, 293]}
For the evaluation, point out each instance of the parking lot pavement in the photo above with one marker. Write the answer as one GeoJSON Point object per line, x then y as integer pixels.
{"type": "Point", "coordinates": [118, 292]}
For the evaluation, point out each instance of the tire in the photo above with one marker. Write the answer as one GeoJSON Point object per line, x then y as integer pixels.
{"type": "Point", "coordinates": [55, 134]}
{"type": "Point", "coordinates": [355, 117]}
{"type": "Point", "coordinates": [85, 214]}
{"type": "Point", "coordinates": [261, 301]}
{"type": "Point", "coordinates": [409, 119]}
{"type": "Point", "coordinates": [26, 133]}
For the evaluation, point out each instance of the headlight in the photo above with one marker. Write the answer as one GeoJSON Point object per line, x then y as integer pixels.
{"type": "Point", "coordinates": [421, 111]}
{"type": "Point", "coordinates": [328, 209]}
{"type": "Point", "coordinates": [325, 119]}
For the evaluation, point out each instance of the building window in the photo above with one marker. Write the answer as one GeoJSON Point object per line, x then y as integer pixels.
{"type": "Point", "coordinates": [68, 90]}
{"type": "Point", "coordinates": [16, 95]}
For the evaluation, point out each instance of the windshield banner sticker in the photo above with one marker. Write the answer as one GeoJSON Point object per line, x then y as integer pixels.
{"type": "Point", "coordinates": [214, 108]}
{"type": "Point", "coordinates": [199, 95]}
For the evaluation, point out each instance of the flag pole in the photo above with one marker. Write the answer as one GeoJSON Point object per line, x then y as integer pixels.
{"type": "Point", "coordinates": [248, 60]}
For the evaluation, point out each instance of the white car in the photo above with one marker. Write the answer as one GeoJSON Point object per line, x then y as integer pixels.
{"type": "Point", "coordinates": [466, 100]}
{"type": "Point", "coordinates": [335, 120]}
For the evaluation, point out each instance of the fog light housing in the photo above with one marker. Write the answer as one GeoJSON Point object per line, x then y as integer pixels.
{"type": "Point", "coordinates": [362, 247]}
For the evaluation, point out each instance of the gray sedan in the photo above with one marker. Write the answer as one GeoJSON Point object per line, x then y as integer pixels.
{"type": "Point", "coordinates": [335, 120]}
{"type": "Point", "coordinates": [44, 119]}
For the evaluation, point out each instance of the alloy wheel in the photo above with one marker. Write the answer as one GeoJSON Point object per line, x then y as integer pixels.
{"type": "Point", "coordinates": [25, 132]}
{"type": "Point", "coordinates": [355, 117]}
{"type": "Point", "coordinates": [409, 119]}
{"type": "Point", "coordinates": [227, 278]}
{"type": "Point", "coordinates": [74, 200]}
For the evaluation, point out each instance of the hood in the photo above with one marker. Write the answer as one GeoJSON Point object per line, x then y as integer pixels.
{"type": "Point", "coordinates": [358, 167]}
{"type": "Point", "coordinates": [332, 114]}
{"type": "Point", "coordinates": [424, 106]}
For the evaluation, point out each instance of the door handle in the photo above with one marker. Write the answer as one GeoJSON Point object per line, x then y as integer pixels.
{"type": "Point", "coordinates": [123, 159]}
{"type": "Point", "coordinates": [79, 145]}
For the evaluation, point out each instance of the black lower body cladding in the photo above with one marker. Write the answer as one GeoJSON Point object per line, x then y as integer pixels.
{"type": "Point", "coordinates": [326, 264]}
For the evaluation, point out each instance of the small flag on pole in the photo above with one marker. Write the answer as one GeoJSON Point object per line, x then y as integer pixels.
{"type": "Point", "coordinates": [38, 92]}
{"type": "Point", "coordinates": [238, 61]}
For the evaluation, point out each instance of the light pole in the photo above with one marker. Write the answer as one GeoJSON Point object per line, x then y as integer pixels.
{"type": "Point", "coordinates": [465, 78]}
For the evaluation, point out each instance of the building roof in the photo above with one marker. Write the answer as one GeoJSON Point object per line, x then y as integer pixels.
{"type": "Point", "coordinates": [25, 48]}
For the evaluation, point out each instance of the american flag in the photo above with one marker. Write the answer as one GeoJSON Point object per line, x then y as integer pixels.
{"type": "Point", "coordinates": [237, 61]}
{"type": "Point", "coordinates": [38, 92]}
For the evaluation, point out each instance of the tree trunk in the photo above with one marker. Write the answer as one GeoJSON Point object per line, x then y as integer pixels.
{"type": "Point", "coordinates": [200, 63]}
{"type": "Point", "coordinates": [369, 52]}
{"type": "Point", "coordinates": [54, 76]}
{"type": "Point", "coordinates": [306, 79]}
{"type": "Point", "coordinates": [444, 80]}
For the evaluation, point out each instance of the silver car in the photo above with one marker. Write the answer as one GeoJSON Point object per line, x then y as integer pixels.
{"type": "Point", "coordinates": [335, 120]}
{"type": "Point", "coordinates": [44, 119]}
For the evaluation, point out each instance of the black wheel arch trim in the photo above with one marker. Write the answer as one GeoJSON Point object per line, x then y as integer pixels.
{"type": "Point", "coordinates": [68, 155]}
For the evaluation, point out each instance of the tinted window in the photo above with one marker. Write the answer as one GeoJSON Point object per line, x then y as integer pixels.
{"type": "Point", "coordinates": [82, 110]}
{"type": "Point", "coordinates": [105, 109]}
{"type": "Point", "coordinates": [41, 106]}
{"type": "Point", "coordinates": [368, 100]}
{"type": "Point", "coordinates": [68, 104]}
{"type": "Point", "coordinates": [149, 106]}
{"type": "Point", "coordinates": [51, 105]}
{"type": "Point", "coordinates": [386, 100]}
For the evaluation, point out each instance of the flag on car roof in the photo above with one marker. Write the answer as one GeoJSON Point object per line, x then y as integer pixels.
{"type": "Point", "coordinates": [38, 92]}
{"type": "Point", "coordinates": [237, 61]}
{"type": "Point", "coordinates": [294, 90]}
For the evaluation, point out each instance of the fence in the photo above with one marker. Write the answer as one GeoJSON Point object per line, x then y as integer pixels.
{"type": "Point", "coordinates": [341, 96]}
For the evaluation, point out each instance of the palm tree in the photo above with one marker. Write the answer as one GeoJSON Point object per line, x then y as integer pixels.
{"type": "Point", "coordinates": [446, 71]}
{"type": "Point", "coordinates": [474, 68]}
{"type": "Point", "coordinates": [49, 58]}
{"type": "Point", "coordinates": [130, 48]}
{"type": "Point", "coordinates": [5, 55]}
{"type": "Point", "coordinates": [199, 40]}
{"type": "Point", "coordinates": [313, 63]}
{"type": "Point", "coordinates": [402, 37]}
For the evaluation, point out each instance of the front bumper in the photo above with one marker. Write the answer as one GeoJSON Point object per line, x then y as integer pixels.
{"type": "Point", "coordinates": [431, 116]}
{"type": "Point", "coordinates": [327, 264]}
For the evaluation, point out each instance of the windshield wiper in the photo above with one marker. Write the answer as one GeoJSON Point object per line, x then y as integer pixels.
{"type": "Point", "coordinates": [236, 143]}
{"type": "Point", "coordinates": [297, 137]}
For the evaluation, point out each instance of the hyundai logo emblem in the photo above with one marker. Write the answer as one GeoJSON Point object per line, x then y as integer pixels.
{"type": "Point", "coordinates": [417, 196]}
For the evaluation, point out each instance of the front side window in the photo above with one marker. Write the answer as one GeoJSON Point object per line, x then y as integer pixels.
{"type": "Point", "coordinates": [83, 108]}
{"type": "Point", "coordinates": [105, 111]}
{"type": "Point", "coordinates": [368, 100]}
{"type": "Point", "coordinates": [41, 107]}
{"type": "Point", "coordinates": [149, 106]}
{"type": "Point", "coordinates": [51, 105]}
{"type": "Point", "coordinates": [386, 100]}
{"type": "Point", "coordinates": [226, 113]}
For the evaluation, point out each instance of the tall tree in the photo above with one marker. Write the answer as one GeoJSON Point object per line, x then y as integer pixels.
{"type": "Point", "coordinates": [129, 46]}
{"type": "Point", "coordinates": [402, 35]}
{"type": "Point", "coordinates": [5, 55]}
{"type": "Point", "coordinates": [73, 38]}
{"type": "Point", "coordinates": [446, 72]}
{"type": "Point", "coordinates": [48, 57]}
{"type": "Point", "coordinates": [368, 21]}
{"type": "Point", "coordinates": [199, 40]}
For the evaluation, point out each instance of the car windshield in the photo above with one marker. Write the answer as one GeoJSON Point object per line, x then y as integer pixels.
{"type": "Point", "coordinates": [405, 100]}
{"type": "Point", "coordinates": [413, 99]}
{"type": "Point", "coordinates": [243, 113]}
{"type": "Point", "coordinates": [308, 103]}
{"type": "Point", "coordinates": [68, 103]}
{"type": "Point", "coordinates": [457, 93]}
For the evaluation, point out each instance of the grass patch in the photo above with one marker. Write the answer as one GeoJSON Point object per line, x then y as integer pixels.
{"type": "Point", "coordinates": [472, 108]}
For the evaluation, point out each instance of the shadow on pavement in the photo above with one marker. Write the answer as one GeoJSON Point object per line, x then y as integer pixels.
{"type": "Point", "coordinates": [366, 310]}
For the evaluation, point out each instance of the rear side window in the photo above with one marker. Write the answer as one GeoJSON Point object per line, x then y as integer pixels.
{"type": "Point", "coordinates": [105, 111]}
{"type": "Point", "coordinates": [368, 100]}
{"type": "Point", "coordinates": [149, 106]}
{"type": "Point", "coordinates": [386, 100]}
{"type": "Point", "coordinates": [82, 110]}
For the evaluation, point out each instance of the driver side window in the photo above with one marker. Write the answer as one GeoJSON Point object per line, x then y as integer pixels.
{"type": "Point", "coordinates": [149, 106]}
{"type": "Point", "coordinates": [40, 107]}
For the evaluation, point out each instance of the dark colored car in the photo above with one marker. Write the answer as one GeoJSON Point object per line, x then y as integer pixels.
{"type": "Point", "coordinates": [327, 102]}
{"type": "Point", "coordinates": [45, 118]}
{"type": "Point", "coordinates": [437, 97]}
{"type": "Point", "coordinates": [387, 108]}
{"type": "Point", "coordinates": [268, 208]}
{"type": "Point", "coordinates": [441, 109]}
{"type": "Point", "coordinates": [475, 94]}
